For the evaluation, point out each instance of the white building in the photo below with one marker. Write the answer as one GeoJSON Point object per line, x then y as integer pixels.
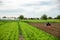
{"type": "Point", "coordinates": [9, 18]}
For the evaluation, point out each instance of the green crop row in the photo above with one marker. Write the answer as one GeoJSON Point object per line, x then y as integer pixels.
{"type": "Point", "coordinates": [32, 33]}
{"type": "Point", "coordinates": [9, 31]}
{"type": "Point", "coordinates": [41, 21]}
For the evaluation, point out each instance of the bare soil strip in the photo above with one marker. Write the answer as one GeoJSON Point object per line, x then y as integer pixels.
{"type": "Point", "coordinates": [54, 29]}
{"type": "Point", "coordinates": [21, 37]}
{"type": "Point", "coordinates": [20, 32]}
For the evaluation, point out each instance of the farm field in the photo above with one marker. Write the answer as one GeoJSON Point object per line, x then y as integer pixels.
{"type": "Point", "coordinates": [31, 33]}
{"type": "Point", "coordinates": [8, 31]}
{"type": "Point", "coordinates": [54, 29]}
{"type": "Point", "coordinates": [29, 20]}
{"type": "Point", "coordinates": [20, 30]}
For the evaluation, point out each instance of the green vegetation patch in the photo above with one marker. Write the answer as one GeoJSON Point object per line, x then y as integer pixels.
{"type": "Point", "coordinates": [42, 21]}
{"type": "Point", "coordinates": [9, 31]}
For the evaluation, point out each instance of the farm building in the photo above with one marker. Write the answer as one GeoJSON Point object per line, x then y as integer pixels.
{"type": "Point", "coordinates": [8, 18]}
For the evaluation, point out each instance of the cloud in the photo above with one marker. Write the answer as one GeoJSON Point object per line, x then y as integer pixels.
{"type": "Point", "coordinates": [9, 4]}
{"type": "Point", "coordinates": [29, 8]}
{"type": "Point", "coordinates": [39, 3]}
{"type": "Point", "coordinates": [12, 11]}
{"type": "Point", "coordinates": [0, 3]}
{"type": "Point", "coordinates": [55, 10]}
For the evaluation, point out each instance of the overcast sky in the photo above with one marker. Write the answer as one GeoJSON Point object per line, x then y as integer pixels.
{"type": "Point", "coordinates": [29, 8]}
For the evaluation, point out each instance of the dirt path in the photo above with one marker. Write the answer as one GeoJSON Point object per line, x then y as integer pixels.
{"type": "Point", "coordinates": [21, 37]}
{"type": "Point", "coordinates": [54, 29]}
{"type": "Point", "coordinates": [20, 32]}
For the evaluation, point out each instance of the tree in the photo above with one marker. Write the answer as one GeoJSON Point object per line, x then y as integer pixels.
{"type": "Point", "coordinates": [25, 18]}
{"type": "Point", "coordinates": [4, 16]}
{"type": "Point", "coordinates": [44, 17]}
{"type": "Point", "coordinates": [58, 17]}
{"type": "Point", "coordinates": [21, 17]}
{"type": "Point", "coordinates": [37, 18]}
{"type": "Point", "coordinates": [32, 18]}
{"type": "Point", "coordinates": [49, 17]}
{"type": "Point", "coordinates": [55, 18]}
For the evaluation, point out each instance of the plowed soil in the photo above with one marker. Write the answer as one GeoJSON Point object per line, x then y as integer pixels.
{"type": "Point", "coordinates": [54, 29]}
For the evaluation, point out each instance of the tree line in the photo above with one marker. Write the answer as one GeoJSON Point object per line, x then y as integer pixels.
{"type": "Point", "coordinates": [44, 17]}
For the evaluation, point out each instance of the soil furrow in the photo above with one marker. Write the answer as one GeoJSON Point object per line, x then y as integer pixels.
{"type": "Point", "coordinates": [50, 29]}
